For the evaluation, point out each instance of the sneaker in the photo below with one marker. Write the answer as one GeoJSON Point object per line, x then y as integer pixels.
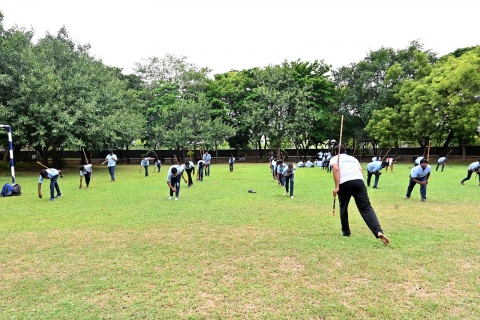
{"type": "Point", "coordinates": [424, 200]}
{"type": "Point", "coordinates": [285, 193]}
{"type": "Point", "coordinates": [406, 197]}
{"type": "Point", "coordinates": [346, 234]}
{"type": "Point", "coordinates": [375, 187]}
{"type": "Point", "coordinates": [51, 199]}
{"type": "Point", "coordinates": [461, 182]}
{"type": "Point", "coordinates": [170, 198]}
{"type": "Point", "coordinates": [292, 197]}
{"type": "Point", "coordinates": [176, 199]}
{"type": "Point", "coordinates": [59, 196]}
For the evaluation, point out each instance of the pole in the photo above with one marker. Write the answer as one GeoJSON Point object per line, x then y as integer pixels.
{"type": "Point", "coordinates": [42, 164]}
{"type": "Point", "coordinates": [449, 153]}
{"type": "Point", "coordinates": [338, 161]}
{"type": "Point", "coordinates": [386, 154]}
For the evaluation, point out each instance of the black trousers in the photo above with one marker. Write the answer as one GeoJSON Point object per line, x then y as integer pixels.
{"type": "Point", "coordinates": [356, 188]}
{"type": "Point", "coordinates": [189, 174]}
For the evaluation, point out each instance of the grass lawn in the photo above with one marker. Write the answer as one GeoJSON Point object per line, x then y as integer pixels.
{"type": "Point", "coordinates": [124, 251]}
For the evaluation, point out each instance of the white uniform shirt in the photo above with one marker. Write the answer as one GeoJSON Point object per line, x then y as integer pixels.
{"type": "Point", "coordinates": [179, 172]}
{"type": "Point", "coordinates": [349, 168]}
{"type": "Point", "coordinates": [88, 168]}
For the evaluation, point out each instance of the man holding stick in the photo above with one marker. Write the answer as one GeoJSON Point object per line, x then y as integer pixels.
{"type": "Point", "coordinates": [173, 180]}
{"type": "Point", "coordinates": [348, 177]}
{"type": "Point", "coordinates": [112, 161]}
{"type": "Point", "coordinates": [52, 174]}
{"type": "Point", "coordinates": [375, 168]}
{"type": "Point", "coordinates": [419, 174]}
{"type": "Point", "coordinates": [473, 167]}
{"type": "Point", "coordinates": [207, 158]}
{"type": "Point", "coordinates": [85, 171]}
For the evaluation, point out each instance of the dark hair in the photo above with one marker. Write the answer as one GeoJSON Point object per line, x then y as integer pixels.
{"type": "Point", "coordinates": [384, 164]}
{"type": "Point", "coordinates": [82, 168]}
{"type": "Point", "coordinates": [44, 173]}
{"type": "Point", "coordinates": [424, 160]}
{"type": "Point", "coordinates": [174, 170]}
{"type": "Point", "coordinates": [187, 163]}
{"type": "Point", "coordinates": [342, 148]}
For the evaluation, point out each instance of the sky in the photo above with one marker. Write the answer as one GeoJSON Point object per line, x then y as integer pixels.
{"type": "Point", "coordinates": [229, 35]}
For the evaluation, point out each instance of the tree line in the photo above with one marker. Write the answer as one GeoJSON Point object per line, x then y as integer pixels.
{"type": "Point", "coordinates": [56, 95]}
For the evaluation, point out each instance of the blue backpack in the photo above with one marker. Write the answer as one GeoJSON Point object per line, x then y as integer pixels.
{"type": "Point", "coordinates": [7, 190]}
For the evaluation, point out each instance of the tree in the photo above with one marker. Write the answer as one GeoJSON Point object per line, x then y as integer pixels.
{"type": "Point", "coordinates": [70, 99]}
{"type": "Point", "coordinates": [364, 86]}
{"type": "Point", "coordinates": [279, 102]}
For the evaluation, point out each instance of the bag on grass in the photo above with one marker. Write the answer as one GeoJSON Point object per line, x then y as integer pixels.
{"type": "Point", "coordinates": [16, 190]}
{"type": "Point", "coordinates": [7, 190]}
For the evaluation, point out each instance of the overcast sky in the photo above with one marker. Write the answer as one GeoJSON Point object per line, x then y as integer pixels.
{"type": "Point", "coordinates": [226, 34]}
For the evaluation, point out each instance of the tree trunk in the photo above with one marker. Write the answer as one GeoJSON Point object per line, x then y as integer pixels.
{"type": "Point", "coordinates": [447, 142]}
{"type": "Point", "coordinates": [128, 156]}
{"type": "Point", "coordinates": [216, 153]}
{"type": "Point", "coordinates": [277, 147]}
{"type": "Point", "coordinates": [464, 149]}
{"type": "Point", "coordinates": [45, 156]}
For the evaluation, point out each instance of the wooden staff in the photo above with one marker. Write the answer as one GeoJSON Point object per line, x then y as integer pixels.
{"type": "Point", "coordinates": [428, 153]}
{"type": "Point", "coordinates": [61, 175]}
{"type": "Point", "coordinates": [42, 164]}
{"type": "Point", "coordinates": [449, 153]}
{"type": "Point", "coordinates": [386, 154]}
{"type": "Point", "coordinates": [338, 162]}
{"type": "Point", "coordinates": [176, 159]}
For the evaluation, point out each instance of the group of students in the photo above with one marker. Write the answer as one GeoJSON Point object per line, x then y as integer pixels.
{"type": "Point", "coordinates": [283, 173]}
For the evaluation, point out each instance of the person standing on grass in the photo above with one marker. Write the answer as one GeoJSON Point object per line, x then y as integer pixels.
{"type": "Point", "coordinates": [375, 168]}
{"type": "Point", "coordinates": [231, 161]}
{"type": "Point", "coordinates": [207, 158]}
{"type": "Point", "coordinates": [390, 162]}
{"type": "Point", "coordinates": [419, 174]}
{"type": "Point", "coordinates": [173, 180]}
{"type": "Point", "coordinates": [274, 168]}
{"type": "Point", "coordinates": [86, 171]}
{"type": "Point", "coordinates": [53, 175]}
{"type": "Point", "coordinates": [473, 167]}
{"type": "Point", "coordinates": [112, 162]}
{"type": "Point", "coordinates": [200, 169]}
{"type": "Point", "coordinates": [280, 167]}
{"type": "Point", "coordinates": [289, 174]}
{"type": "Point", "coordinates": [145, 163]}
{"type": "Point", "coordinates": [348, 178]}
{"type": "Point", "coordinates": [441, 162]}
{"type": "Point", "coordinates": [158, 164]}
{"type": "Point", "coordinates": [189, 168]}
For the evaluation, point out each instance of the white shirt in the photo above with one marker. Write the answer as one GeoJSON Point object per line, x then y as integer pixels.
{"type": "Point", "coordinates": [418, 172]}
{"type": "Point", "coordinates": [200, 162]}
{"type": "Point", "coordinates": [442, 160]}
{"type": "Point", "coordinates": [349, 168]}
{"type": "Point", "coordinates": [417, 161]}
{"type": "Point", "coordinates": [112, 160]}
{"type": "Point", "coordinates": [179, 172]}
{"type": "Point", "coordinates": [88, 168]}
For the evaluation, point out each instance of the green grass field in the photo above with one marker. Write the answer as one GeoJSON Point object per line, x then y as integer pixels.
{"type": "Point", "coordinates": [123, 251]}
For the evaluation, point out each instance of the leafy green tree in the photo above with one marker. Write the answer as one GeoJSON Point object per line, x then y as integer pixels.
{"type": "Point", "coordinates": [229, 94]}
{"type": "Point", "coordinates": [364, 86]}
{"type": "Point", "coordinates": [70, 99]}
{"type": "Point", "coordinates": [279, 103]}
